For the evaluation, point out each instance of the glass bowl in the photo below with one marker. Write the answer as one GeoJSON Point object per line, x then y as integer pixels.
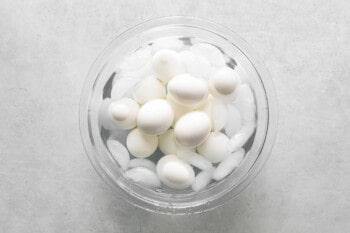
{"type": "Point", "coordinates": [98, 85]}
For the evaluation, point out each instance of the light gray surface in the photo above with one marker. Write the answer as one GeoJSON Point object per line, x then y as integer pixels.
{"type": "Point", "coordinates": [46, 181]}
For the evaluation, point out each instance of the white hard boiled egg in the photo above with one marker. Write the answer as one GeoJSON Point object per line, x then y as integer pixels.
{"type": "Point", "coordinates": [119, 114]}
{"type": "Point", "coordinates": [192, 129]}
{"type": "Point", "coordinates": [155, 117]}
{"type": "Point", "coordinates": [215, 147]}
{"type": "Point", "coordinates": [224, 82]}
{"type": "Point", "coordinates": [141, 145]}
{"type": "Point", "coordinates": [174, 172]}
{"type": "Point", "coordinates": [187, 90]}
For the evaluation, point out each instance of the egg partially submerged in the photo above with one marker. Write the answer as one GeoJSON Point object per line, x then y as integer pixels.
{"type": "Point", "coordinates": [192, 129]}
{"type": "Point", "coordinates": [174, 172]}
{"type": "Point", "coordinates": [155, 117]}
{"type": "Point", "coordinates": [187, 90]}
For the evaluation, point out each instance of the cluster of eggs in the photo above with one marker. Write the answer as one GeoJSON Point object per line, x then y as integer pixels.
{"type": "Point", "coordinates": [188, 103]}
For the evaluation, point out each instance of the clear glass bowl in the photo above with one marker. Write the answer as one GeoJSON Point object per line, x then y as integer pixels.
{"type": "Point", "coordinates": [99, 82]}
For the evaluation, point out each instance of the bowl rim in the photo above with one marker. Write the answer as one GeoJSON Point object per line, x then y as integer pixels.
{"type": "Point", "coordinates": [271, 99]}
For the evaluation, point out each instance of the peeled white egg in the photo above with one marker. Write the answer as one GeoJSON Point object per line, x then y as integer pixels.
{"type": "Point", "coordinates": [234, 123]}
{"type": "Point", "coordinates": [124, 112]}
{"type": "Point", "coordinates": [166, 64]}
{"type": "Point", "coordinates": [193, 158]}
{"type": "Point", "coordinates": [195, 65]}
{"type": "Point", "coordinates": [174, 172]}
{"type": "Point", "coordinates": [202, 179]}
{"type": "Point", "coordinates": [179, 110]}
{"type": "Point", "coordinates": [155, 117]}
{"type": "Point", "coordinates": [210, 52]}
{"type": "Point", "coordinates": [143, 176]}
{"type": "Point", "coordinates": [228, 164]}
{"type": "Point", "coordinates": [146, 163]}
{"type": "Point", "coordinates": [119, 152]}
{"type": "Point", "coordinates": [167, 43]}
{"type": "Point", "coordinates": [215, 147]}
{"type": "Point", "coordinates": [192, 129]}
{"type": "Point", "coordinates": [119, 114]}
{"type": "Point", "coordinates": [141, 145]}
{"type": "Point", "coordinates": [224, 82]}
{"type": "Point", "coordinates": [167, 143]}
{"type": "Point", "coordinates": [148, 89]}
{"type": "Point", "coordinates": [187, 90]}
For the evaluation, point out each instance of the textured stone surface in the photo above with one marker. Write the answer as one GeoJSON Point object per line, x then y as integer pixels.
{"type": "Point", "coordinates": [46, 181]}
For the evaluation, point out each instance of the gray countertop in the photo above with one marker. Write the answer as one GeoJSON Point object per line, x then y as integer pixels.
{"type": "Point", "coordinates": [46, 181]}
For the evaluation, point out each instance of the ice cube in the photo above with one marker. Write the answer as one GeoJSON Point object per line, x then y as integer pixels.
{"type": "Point", "coordinates": [119, 152]}
{"type": "Point", "coordinates": [193, 158]}
{"type": "Point", "coordinates": [197, 66]}
{"type": "Point", "coordinates": [167, 43]}
{"type": "Point", "coordinates": [143, 176]}
{"type": "Point", "coordinates": [228, 165]}
{"type": "Point", "coordinates": [202, 179]}
{"type": "Point", "coordinates": [210, 52]}
{"type": "Point", "coordinates": [234, 123]}
{"type": "Point", "coordinates": [142, 163]}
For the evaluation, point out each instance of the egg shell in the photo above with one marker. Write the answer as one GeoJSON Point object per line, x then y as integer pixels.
{"type": "Point", "coordinates": [146, 163]}
{"type": "Point", "coordinates": [167, 143]}
{"type": "Point", "coordinates": [224, 82]}
{"type": "Point", "coordinates": [174, 172]}
{"type": "Point", "coordinates": [167, 64]}
{"type": "Point", "coordinates": [143, 176]}
{"type": "Point", "coordinates": [119, 152]}
{"type": "Point", "coordinates": [155, 117]}
{"type": "Point", "coordinates": [187, 90]}
{"type": "Point", "coordinates": [195, 65]}
{"type": "Point", "coordinates": [210, 52]}
{"type": "Point", "coordinates": [148, 89]}
{"type": "Point", "coordinates": [179, 110]}
{"type": "Point", "coordinates": [141, 145]}
{"type": "Point", "coordinates": [215, 147]}
{"type": "Point", "coordinates": [192, 129]}
{"type": "Point", "coordinates": [228, 164]}
{"type": "Point", "coordinates": [123, 113]}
